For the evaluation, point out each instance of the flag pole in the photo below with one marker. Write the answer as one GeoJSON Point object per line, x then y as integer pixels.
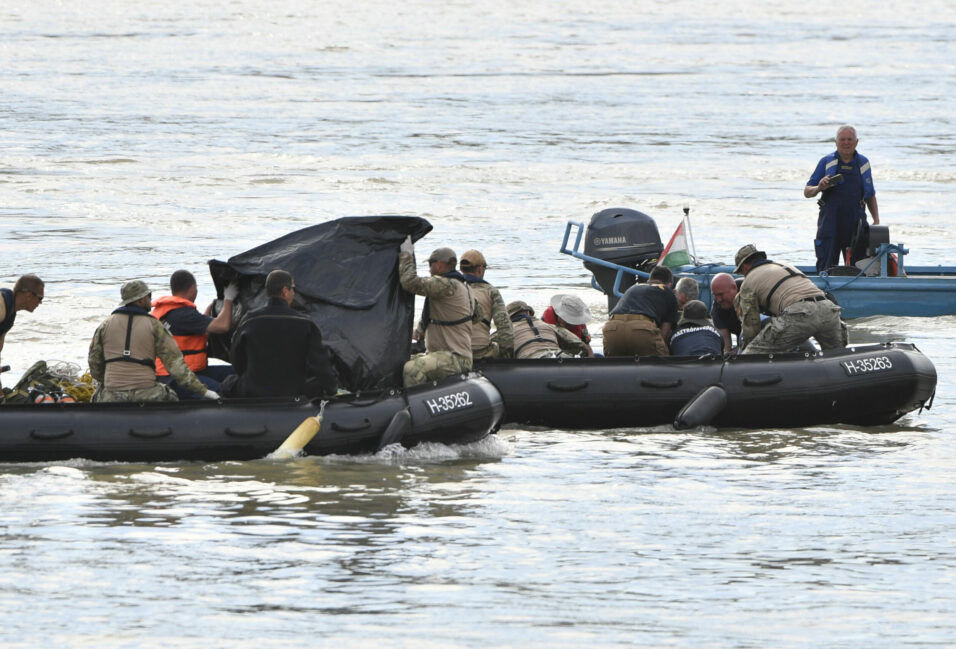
{"type": "Point", "coordinates": [690, 234]}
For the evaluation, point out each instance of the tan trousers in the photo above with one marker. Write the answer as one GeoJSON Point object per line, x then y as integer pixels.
{"type": "Point", "coordinates": [633, 335]}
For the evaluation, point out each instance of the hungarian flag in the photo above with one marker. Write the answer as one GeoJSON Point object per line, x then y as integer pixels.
{"type": "Point", "coordinates": [680, 249]}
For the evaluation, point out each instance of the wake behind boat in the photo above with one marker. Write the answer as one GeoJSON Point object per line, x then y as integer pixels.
{"type": "Point", "coordinates": [620, 244]}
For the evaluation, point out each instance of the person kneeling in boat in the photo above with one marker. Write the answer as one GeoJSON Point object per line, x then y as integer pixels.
{"type": "Point", "coordinates": [695, 334]}
{"type": "Point", "coordinates": [724, 288]}
{"type": "Point", "coordinates": [644, 318]}
{"type": "Point", "coordinates": [277, 351]}
{"type": "Point", "coordinates": [571, 313]}
{"type": "Point", "coordinates": [448, 316]}
{"type": "Point", "coordinates": [473, 266]}
{"type": "Point", "coordinates": [797, 308]}
{"type": "Point", "coordinates": [537, 339]}
{"type": "Point", "coordinates": [124, 348]}
{"type": "Point", "coordinates": [190, 330]}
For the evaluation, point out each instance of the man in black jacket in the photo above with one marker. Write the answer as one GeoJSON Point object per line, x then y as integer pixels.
{"type": "Point", "coordinates": [278, 352]}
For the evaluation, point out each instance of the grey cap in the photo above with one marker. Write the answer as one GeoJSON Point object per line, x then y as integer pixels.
{"type": "Point", "coordinates": [695, 312]}
{"type": "Point", "coordinates": [518, 306]}
{"type": "Point", "coordinates": [133, 291]}
{"type": "Point", "coordinates": [571, 309]}
{"type": "Point", "coordinates": [744, 255]}
{"type": "Point", "coordinates": [446, 255]}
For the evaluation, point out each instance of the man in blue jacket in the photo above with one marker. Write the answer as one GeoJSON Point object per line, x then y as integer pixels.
{"type": "Point", "coordinates": [845, 181]}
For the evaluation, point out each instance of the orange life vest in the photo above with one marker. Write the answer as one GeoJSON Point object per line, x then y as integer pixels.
{"type": "Point", "coordinates": [192, 346]}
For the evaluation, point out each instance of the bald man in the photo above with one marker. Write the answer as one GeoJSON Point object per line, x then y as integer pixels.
{"type": "Point", "coordinates": [724, 289]}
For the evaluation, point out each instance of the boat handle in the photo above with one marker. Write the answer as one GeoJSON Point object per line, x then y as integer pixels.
{"type": "Point", "coordinates": [60, 434]}
{"type": "Point", "coordinates": [152, 434]}
{"type": "Point", "coordinates": [246, 433]}
{"type": "Point", "coordinates": [565, 387]}
{"type": "Point", "coordinates": [769, 379]}
{"type": "Point", "coordinates": [650, 383]}
{"type": "Point", "coordinates": [354, 428]}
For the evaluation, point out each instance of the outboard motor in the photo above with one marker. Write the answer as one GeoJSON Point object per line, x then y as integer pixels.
{"type": "Point", "coordinates": [620, 236]}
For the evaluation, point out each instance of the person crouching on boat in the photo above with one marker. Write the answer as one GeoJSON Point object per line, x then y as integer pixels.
{"type": "Point", "coordinates": [473, 266]}
{"type": "Point", "coordinates": [448, 316]}
{"type": "Point", "coordinates": [124, 349]}
{"type": "Point", "coordinates": [190, 330]}
{"type": "Point", "coordinates": [724, 288]}
{"type": "Point", "coordinates": [644, 318]}
{"type": "Point", "coordinates": [695, 334]}
{"type": "Point", "coordinates": [571, 313]}
{"type": "Point", "coordinates": [537, 339]}
{"type": "Point", "coordinates": [797, 308]}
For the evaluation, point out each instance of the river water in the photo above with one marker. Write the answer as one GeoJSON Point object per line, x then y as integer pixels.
{"type": "Point", "coordinates": [142, 137]}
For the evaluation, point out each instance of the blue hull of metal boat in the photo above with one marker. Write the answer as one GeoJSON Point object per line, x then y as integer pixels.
{"type": "Point", "coordinates": [926, 291]}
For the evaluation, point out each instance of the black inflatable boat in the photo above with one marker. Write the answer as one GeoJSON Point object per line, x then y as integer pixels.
{"type": "Point", "coordinates": [455, 411]}
{"type": "Point", "coordinates": [865, 385]}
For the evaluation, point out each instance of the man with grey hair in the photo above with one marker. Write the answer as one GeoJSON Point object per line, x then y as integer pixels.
{"type": "Point", "coordinates": [844, 181]}
{"type": "Point", "coordinates": [124, 350]}
{"type": "Point", "coordinates": [686, 290]}
{"type": "Point", "coordinates": [448, 316]}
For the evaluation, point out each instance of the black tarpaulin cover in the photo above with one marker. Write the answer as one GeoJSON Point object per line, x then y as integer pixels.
{"type": "Point", "coordinates": [346, 280]}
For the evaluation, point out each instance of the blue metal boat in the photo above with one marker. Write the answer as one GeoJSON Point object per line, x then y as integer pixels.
{"type": "Point", "coordinates": [620, 245]}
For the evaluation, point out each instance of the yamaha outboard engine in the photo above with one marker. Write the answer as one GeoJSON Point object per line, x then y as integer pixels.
{"type": "Point", "coordinates": [620, 236]}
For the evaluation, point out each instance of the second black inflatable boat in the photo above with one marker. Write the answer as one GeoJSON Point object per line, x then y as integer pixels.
{"type": "Point", "coordinates": [864, 385]}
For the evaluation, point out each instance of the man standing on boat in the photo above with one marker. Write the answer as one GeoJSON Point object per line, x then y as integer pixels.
{"type": "Point", "coordinates": [643, 320]}
{"type": "Point", "coordinates": [473, 266]}
{"type": "Point", "coordinates": [190, 329]}
{"type": "Point", "coordinates": [797, 308]}
{"type": "Point", "coordinates": [447, 317]}
{"type": "Point", "coordinates": [845, 181]}
{"type": "Point", "coordinates": [26, 295]}
{"type": "Point", "coordinates": [124, 349]}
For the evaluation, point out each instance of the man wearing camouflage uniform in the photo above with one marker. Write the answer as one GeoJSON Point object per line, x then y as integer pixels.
{"type": "Point", "coordinates": [537, 339]}
{"type": "Point", "coordinates": [798, 309]}
{"type": "Point", "coordinates": [124, 349]}
{"type": "Point", "coordinates": [473, 267]}
{"type": "Point", "coordinates": [447, 318]}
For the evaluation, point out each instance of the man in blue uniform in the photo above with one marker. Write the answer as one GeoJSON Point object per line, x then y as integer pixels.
{"type": "Point", "coordinates": [695, 334]}
{"type": "Point", "coordinates": [845, 181]}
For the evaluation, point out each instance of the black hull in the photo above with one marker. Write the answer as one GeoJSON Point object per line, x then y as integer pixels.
{"type": "Point", "coordinates": [455, 411]}
{"type": "Point", "coordinates": [865, 385]}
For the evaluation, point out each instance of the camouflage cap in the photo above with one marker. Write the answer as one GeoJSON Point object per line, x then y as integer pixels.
{"type": "Point", "coordinates": [744, 255]}
{"type": "Point", "coordinates": [695, 312]}
{"type": "Point", "coordinates": [473, 259]}
{"type": "Point", "coordinates": [517, 306]}
{"type": "Point", "coordinates": [446, 255]}
{"type": "Point", "coordinates": [132, 291]}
